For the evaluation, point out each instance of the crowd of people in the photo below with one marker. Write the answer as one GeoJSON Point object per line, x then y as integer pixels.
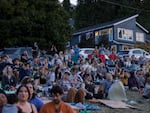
{"type": "Point", "coordinates": [69, 77]}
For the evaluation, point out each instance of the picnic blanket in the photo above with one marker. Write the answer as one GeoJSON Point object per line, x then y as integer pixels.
{"type": "Point", "coordinates": [115, 104]}
{"type": "Point", "coordinates": [112, 103]}
{"type": "Point", "coordinates": [85, 106]}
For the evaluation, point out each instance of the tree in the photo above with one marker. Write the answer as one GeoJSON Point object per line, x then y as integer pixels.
{"type": "Point", "coordinates": [26, 21]}
{"type": "Point", "coordinates": [92, 12]}
{"type": "Point", "coordinates": [67, 6]}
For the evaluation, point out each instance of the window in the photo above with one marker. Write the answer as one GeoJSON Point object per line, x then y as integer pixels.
{"type": "Point", "coordinates": [125, 34]}
{"type": "Point", "coordinates": [96, 37]}
{"type": "Point", "coordinates": [125, 47]}
{"type": "Point", "coordinates": [110, 34]}
{"type": "Point", "coordinates": [107, 33]}
{"type": "Point", "coordinates": [88, 51]}
{"type": "Point", "coordinates": [139, 37]}
{"type": "Point", "coordinates": [96, 33]}
{"type": "Point", "coordinates": [79, 38]}
{"type": "Point", "coordinates": [137, 52]}
{"type": "Point", "coordinates": [104, 32]}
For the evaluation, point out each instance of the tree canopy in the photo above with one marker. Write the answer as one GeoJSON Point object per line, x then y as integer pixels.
{"type": "Point", "coordinates": [91, 12]}
{"type": "Point", "coordinates": [23, 22]}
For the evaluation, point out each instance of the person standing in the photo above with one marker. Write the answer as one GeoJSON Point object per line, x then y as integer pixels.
{"type": "Point", "coordinates": [35, 50]}
{"type": "Point", "coordinates": [53, 50]}
{"type": "Point", "coordinates": [56, 105]}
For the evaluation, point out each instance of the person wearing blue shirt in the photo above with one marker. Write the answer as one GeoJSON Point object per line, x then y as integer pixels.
{"type": "Point", "coordinates": [107, 83]}
{"type": "Point", "coordinates": [37, 102]}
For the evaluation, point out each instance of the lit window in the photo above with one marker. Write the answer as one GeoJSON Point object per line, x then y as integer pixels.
{"type": "Point", "coordinates": [139, 37]}
{"type": "Point", "coordinates": [96, 34]}
{"type": "Point", "coordinates": [96, 37]}
{"type": "Point", "coordinates": [105, 31]}
{"type": "Point", "coordinates": [125, 34]}
{"type": "Point", "coordinates": [110, 34]}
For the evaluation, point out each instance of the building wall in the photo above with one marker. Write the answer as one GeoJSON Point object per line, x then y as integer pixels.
{"type": "Point", "coordinates": [141, 31]}
{"type": "Point", "coordinates": [75, 40]}
{"type": "Point", "coordinates": [128, 25]}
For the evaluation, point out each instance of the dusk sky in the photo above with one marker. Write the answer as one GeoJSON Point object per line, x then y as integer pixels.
{"type": "Point", "coordinates": [71, 1]}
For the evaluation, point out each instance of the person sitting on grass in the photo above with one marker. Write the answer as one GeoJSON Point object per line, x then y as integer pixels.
{"type": "Point", "coordinates": [3, 100]}
{"type": "Point", "coordinates": [36, 101]}
{"type": "Point", "coordinates": [70, 95]}
{"type": "Point", "coordinates": [146, 93]}
{"type": "Point", "coordinates": [56, 105]}
{"type": "Point", "coordinates": [10, 107]}
{"type": "Point", "coordinates": [132, 82]}
{"type": "Point", "coordinates": [80, 96]}
{"type": "Point", "coordinates": [107, 83]}
{"type": "Point", "coordinates": [23, 95]}
{"type": "Point", "coordinates": [89, 86]}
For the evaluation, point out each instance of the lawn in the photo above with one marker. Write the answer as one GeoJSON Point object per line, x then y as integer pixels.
{"type": "Point", "coordinates": [143, 105]}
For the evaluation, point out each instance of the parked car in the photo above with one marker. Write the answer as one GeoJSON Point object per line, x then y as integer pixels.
{"type": "Point", "coordinates": [85, 52]}
{"type": "Point", "coordinates": [137, 52]}
{"type": "Point", "coordinates": [122, 54]}
{"type": "Point", "coordinates": [16, 52]}
{"type": "Point", "coordinates": [88, 51]}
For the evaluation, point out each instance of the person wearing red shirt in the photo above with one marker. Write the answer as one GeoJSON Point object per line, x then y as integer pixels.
{"type": "Point", "coordinates": [102, 57]}
{"type": "Point", "coordinates": [112, 56]}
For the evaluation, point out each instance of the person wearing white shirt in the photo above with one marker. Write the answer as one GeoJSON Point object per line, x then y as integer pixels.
{"type": "Point", "coordinates": [51, 76]}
